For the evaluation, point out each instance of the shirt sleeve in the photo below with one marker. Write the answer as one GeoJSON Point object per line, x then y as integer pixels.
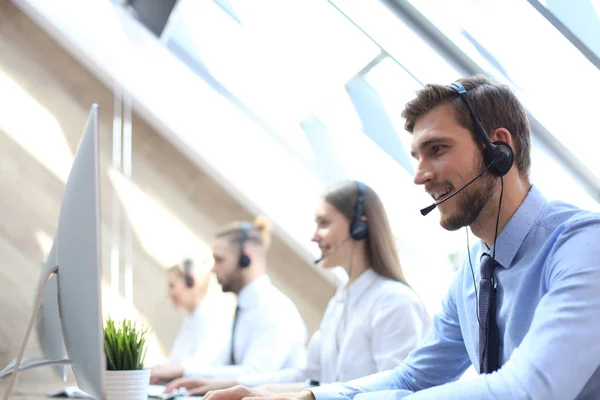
{"type": "Point", "coordinates": [561, 350]}
{"type": "Point", "coordinates": [397, 327]}
{"type": "Point", "coordinates": [178, 350]}
{"type": "Point", "coordinates": [287, 375]}
{"type": "Point", "coordinates": [441, 358]}
{"type": "Point", "coordinates": [313, 358]}
{"type": "Point", "coordinates": [290, 375]}
{"type": "Point", "coordinates": [384, 395]}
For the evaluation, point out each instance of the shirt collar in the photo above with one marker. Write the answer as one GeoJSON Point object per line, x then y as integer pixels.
{"type": "Point", "coordinates": [250, 294]}
{"type": "Point", "coordinates": [358, 287]}
{"type": "Point", "coordinates": [512, 236]}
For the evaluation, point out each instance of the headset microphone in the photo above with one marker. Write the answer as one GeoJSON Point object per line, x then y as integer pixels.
{"type": "Point", "coordinates": [430, 208]}
{"type": "Point", "coordinates": [332, 250]}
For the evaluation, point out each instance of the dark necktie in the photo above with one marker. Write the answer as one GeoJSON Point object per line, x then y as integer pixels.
{"type": "Point", "coordinates": [235, 321]}
{"type": "Point", "coordinates": [488, 330]}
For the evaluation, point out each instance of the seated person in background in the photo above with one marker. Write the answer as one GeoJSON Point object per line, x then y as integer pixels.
{"type": "Point", "coordinates": [205, 335]}
{"type": "Point", "coordinates": [372, 322]}
{"type": "Point", "coordinates": [527, 315]}
{"type": "Point", "coordinates": [268, 333]}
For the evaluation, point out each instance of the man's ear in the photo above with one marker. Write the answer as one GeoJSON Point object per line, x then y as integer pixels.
{"type": "Point", "coordinates": [502, 135]}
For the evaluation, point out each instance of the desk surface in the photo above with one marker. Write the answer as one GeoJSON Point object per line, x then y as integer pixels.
{"type": "Point", "coordinates": [29, 390]}
{"type": "Point", "coordinates": [37, 391]}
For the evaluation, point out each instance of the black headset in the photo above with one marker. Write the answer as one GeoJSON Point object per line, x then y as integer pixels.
{"type": "Point", "coordinates": [359, 229]}
{"type": "Point", "coordinates": [187, 273]}
{"type": "Point", "coordinates": [244, 260]}
{"type": "Point", "coordinates": [498, 156]}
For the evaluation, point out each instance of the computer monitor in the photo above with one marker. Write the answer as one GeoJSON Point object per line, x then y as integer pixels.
{"type": "Point", "coordinates": [79, 267]}
{"type": "Point", "coordinates": [76, 263]}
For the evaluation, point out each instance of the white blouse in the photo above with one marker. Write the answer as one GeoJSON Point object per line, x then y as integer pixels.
{"type": "Point", "coordinates": [204, 337]}
{"type": "Point", "coordinates": [367, 328]}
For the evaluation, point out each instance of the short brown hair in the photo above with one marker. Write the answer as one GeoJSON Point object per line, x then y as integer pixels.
{"type": "Point", "coordinates": [496, 105]}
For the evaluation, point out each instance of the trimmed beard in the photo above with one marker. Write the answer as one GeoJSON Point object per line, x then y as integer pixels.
{"type": "Point", "coordinates": [471, 201]}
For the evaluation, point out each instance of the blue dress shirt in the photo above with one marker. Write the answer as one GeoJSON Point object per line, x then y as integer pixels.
{"type": "Point", "coordinates": [548, 302]}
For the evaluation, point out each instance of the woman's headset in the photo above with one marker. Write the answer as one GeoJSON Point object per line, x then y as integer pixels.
{"type": "Point", "coordinates": [359, 229]}
{"type": "Point", "coordinates": [187, 273]}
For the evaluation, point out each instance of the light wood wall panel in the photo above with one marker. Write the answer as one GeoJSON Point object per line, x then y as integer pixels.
{"type": "Point", "coordinates": [30, 194]}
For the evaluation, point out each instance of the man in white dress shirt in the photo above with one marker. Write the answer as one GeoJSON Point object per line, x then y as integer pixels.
{"type": "Point", "coordinates": [268, 331]}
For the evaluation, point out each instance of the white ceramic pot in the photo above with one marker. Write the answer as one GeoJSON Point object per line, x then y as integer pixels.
{"type": "Point", "coordinates": [126, 385]}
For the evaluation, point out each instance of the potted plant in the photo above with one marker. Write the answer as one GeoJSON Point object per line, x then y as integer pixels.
{"type": "Point", "coordinates": [125, 349]}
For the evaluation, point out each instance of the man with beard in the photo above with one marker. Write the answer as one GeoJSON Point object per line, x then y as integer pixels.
{"type": "Point", "coordinates": [268, 333]}
{"type": "Point", "coordinates": [524, 309]}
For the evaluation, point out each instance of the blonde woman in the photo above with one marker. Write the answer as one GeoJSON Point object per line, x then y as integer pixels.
{"type": "Point", "coordinates": [204, 336]}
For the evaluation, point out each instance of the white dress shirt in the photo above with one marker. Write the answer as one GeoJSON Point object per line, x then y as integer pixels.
{"type": "Point", "coordinates": [369, 327]}
{"type": "Point", "coordinates": [270, 334]}
{"type": "Point", "coordinates": [205, 336]}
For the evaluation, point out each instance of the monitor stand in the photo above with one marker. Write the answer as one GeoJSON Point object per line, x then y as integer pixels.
{"type": "Point", "coordinates": [32, 363]}
{"type": "Point", "coordinates": [14, 371]}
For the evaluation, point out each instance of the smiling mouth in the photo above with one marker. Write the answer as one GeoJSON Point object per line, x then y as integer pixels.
{"type": "Point", "coordinates": [440, 194]}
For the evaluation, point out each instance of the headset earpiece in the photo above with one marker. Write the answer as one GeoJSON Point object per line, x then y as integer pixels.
{"type": "Point", "coordinates": [244, 260]}
{"type": "Point", "coordinates": [359, 229]}
{"type": "Point", "coordinates": [497, 155]}
{"type": "Point", "coordinates": [501, 157]}
{"type": "Point", "coordinates": [187, 273]}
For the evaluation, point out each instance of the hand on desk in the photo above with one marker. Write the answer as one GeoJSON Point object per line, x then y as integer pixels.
{"type": "Point", "coordinates": [199, 387]}
{"type": "Point", "coordinates": [241, 392]}
{"type": "Point", "coordinates": [167, 372]}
